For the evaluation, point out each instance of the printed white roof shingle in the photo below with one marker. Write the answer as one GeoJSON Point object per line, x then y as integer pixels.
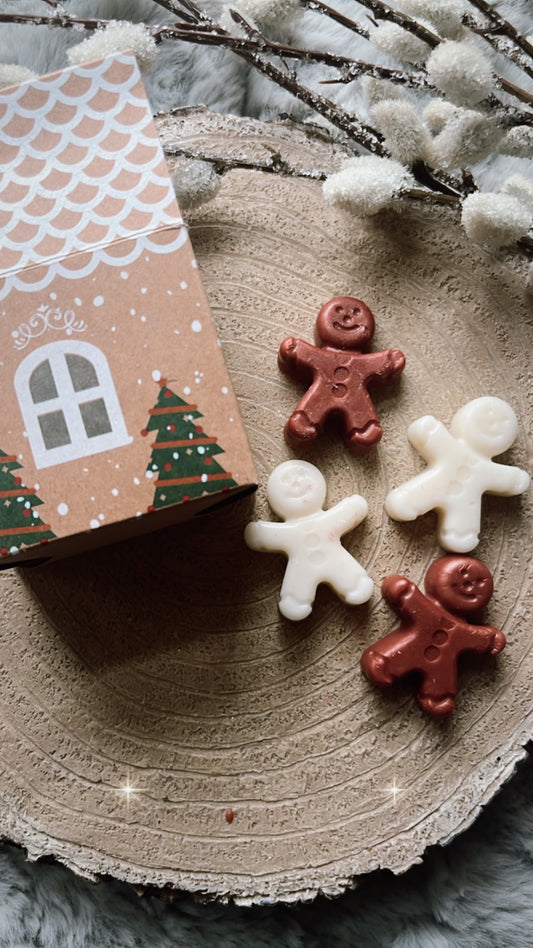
{"type": "Point", "coordinates": [81, 168]}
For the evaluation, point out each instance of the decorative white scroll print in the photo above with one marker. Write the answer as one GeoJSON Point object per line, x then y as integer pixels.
{"type": "Point", "coordinates": [47, 317]}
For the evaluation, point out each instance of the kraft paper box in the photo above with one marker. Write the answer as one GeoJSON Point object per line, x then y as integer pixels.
{"type": "Point", "coordinates": [118, 415]}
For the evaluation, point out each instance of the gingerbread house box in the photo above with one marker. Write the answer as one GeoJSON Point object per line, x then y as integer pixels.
{"type": "Point", "coordinates": [118, 413]}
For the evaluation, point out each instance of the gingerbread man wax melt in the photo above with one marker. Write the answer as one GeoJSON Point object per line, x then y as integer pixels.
{"type": "Point", "coordinates": [460, 470]}
{"type": "Point", "coordinates": [434, 629]}
{"type": "Point", "coordinates": [339, 373]}
{"type": "Point", "coordinates": [310, 537]}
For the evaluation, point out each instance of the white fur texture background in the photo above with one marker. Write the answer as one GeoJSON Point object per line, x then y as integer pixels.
{"type": "Point", "coordinates": [477, 891]}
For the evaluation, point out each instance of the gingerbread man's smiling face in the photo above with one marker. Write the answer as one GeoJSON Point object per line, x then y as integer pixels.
{"type": "Point", "coordinates": [462, 584]}
{"type": "Point", "coordinates": [295, 489]}
{"type": "Point", "coordinates": [487, 424]}
{"type": "Point", "coordinates": [345, 323]}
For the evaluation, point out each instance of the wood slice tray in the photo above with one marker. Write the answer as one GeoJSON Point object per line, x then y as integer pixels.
{"type": "Point", "coordinates": [148, 688]}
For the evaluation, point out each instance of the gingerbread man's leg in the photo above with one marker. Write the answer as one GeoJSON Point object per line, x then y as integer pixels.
{"type": "Point", "coordinates": [307, 420]}
{"type": "Point", "coordinates": [460, 519]}
{"type": "Point", "coordinates": [388, 659]}
{"type": "Point", "coordinates": [437, 692]}
{"type": "Point", "coordinates": [298, 591]}
{"type": "Point", "coordinates": [348, 578]}
{"type": "Point", "coordinates": [361, 439]}
{"type": "Point", "coordinates": [361, 423]}
{"type": "Point", "coordinates": [415, 497]}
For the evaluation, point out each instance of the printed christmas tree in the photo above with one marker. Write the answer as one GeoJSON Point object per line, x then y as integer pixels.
{"type": "Point", "coordinates": [20, 524]}
{"type": "Point", "coordinates": [183, 456]}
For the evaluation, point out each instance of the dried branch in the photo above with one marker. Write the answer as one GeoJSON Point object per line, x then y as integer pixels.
{"type": "Point", "coordinates": [189, 11]}
{"type": "Point", "coordinates": [502, 27]}
{"type": "Point", "coordinates": [59, 21]}
{"type": "Point", "coordinates": [273, 58]}
{"type": "Point", "coordinates": [356, 130]}
{"type": "Point", "coordinates": [254, 45]}
{"type": "Point", "coordinates": [384, 12]}
{"type": "Point", "coordinates": [221, 163]}
{"type": "Point", "coordinates": [502, 45]}
{"type": "Point", "coordinates": [328, 11]}
{"type": "Point", "coordinates": [350, 68]}
{"type": "Point", "coordinates": [208, 33]}
{"type": "Point", "coordinates": [278, 165]}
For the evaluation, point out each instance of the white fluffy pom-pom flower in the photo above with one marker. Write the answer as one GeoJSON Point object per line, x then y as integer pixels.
{"type": "Point", "coordinates": [406, 137]}
{"type": "Point", "coordinates": [445, 16]}
{"type": "Point", "coordinates": [375, 90]}
{"type": "Point", "coordinates": [438, 113]}
{"type": "Point", "coordinates": [518, 141]}
{"type": "Point", "coordinates": [496, 220]}
{"type": "Point", "coordinates": [366, 184]}
{"type": "Point", "coordinates": [520, 188]}
{"type": "Point", "coordinates": [466, 138]}
{"type": "Point", "coordinates": [11, 74]}
{"type": "Point", "coordinates": [461, 72]}
{"type": "Point", "coordinates": [394, 40]}
{"type": "Point", "coordinates": [195, 183]}
{"type": "Point", "coordinates": [117, 36]}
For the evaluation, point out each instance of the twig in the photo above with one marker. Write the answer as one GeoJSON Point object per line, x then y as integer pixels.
{"type": "Point", "coordinates": [222, 163]}
{"type": "Point", "coordinates": [278, 165]}
{"type": "Point", "coordinates": [207, 32]}
{"type": "Point", "coordinates": [60, 21]}
{"type": "Point", "coordinates": [384, 12]}
{"type": "Point", "coordinates": [195, 26]}
{"type": "Point", "coordinates": [328, 11]}
{"type": "Point", "coordinates": [254, 45]}
{"type": "Point", "coordinates": [502, 26]}
{"type": "Point", "coordinates": [502, 45]}
{"type": "Point", "coordinates": [363, 135]}
{"type": "Point", "coordinates": [350, 68]}
{"type": "Point", "coordinates": [512, 89]}
{"type": "Point", "coordinates": [251, 51]}
{"type": "Point", "coordinates": [188, 10]}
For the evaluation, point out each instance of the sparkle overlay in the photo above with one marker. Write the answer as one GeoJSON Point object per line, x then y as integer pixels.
{"type": "Point", "coordinates": [128, 791]}
{"type": "Point", "coordinates": [393, 789]}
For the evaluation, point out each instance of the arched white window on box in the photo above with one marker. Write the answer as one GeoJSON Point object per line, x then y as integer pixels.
{"type": "Point", "coordinates": [69, 403]}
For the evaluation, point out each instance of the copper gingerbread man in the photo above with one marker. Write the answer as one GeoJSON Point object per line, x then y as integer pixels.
{"type": "Point", "coordinates": [340, 374]}
{"type": "Point", "coordinates": [434, 629]}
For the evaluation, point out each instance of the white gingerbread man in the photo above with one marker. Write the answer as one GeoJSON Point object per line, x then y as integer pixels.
{"type": "Point", "coordinates": [310, 537]}
{"type": "Point", "coordinates": [460, 470]}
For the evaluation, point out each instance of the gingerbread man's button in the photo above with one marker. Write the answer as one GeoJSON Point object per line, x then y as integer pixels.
{"type": "Point", "coordinates": [434, 630]}
{"type": "Point", "coordinates": [460, 469]}
{"type": "Point", "coordinates": [339, 373]}
{"type": "Point", "coordinates": [310, 537]}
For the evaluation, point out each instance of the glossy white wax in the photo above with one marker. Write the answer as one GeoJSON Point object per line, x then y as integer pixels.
{"type": "Point", "coordinates": [460, 470]}
{"type": "Point", "coordinates": [310, 537]}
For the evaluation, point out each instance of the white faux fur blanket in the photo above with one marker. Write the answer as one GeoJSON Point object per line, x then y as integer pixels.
{"type": "Point", "coordinates": [477, 891]}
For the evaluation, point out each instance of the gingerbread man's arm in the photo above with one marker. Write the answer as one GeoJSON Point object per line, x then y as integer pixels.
{"type": "Point", "coordinates": [265, 535]}
{"type": "Point", "coordinates": [506, 479]}
{"type": "Point", "coordinates": [430, 438]}
{"type": "Point", "coordinates": [483, 638]}
{"type": "Point", "coordinates": [346, 514]}
{"type": "Point", "coordinates": [385, 366]}
{"type": "Point", "coordinates": [296, 354]}
{"type": "Point", "coordinates": [406, 599]}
